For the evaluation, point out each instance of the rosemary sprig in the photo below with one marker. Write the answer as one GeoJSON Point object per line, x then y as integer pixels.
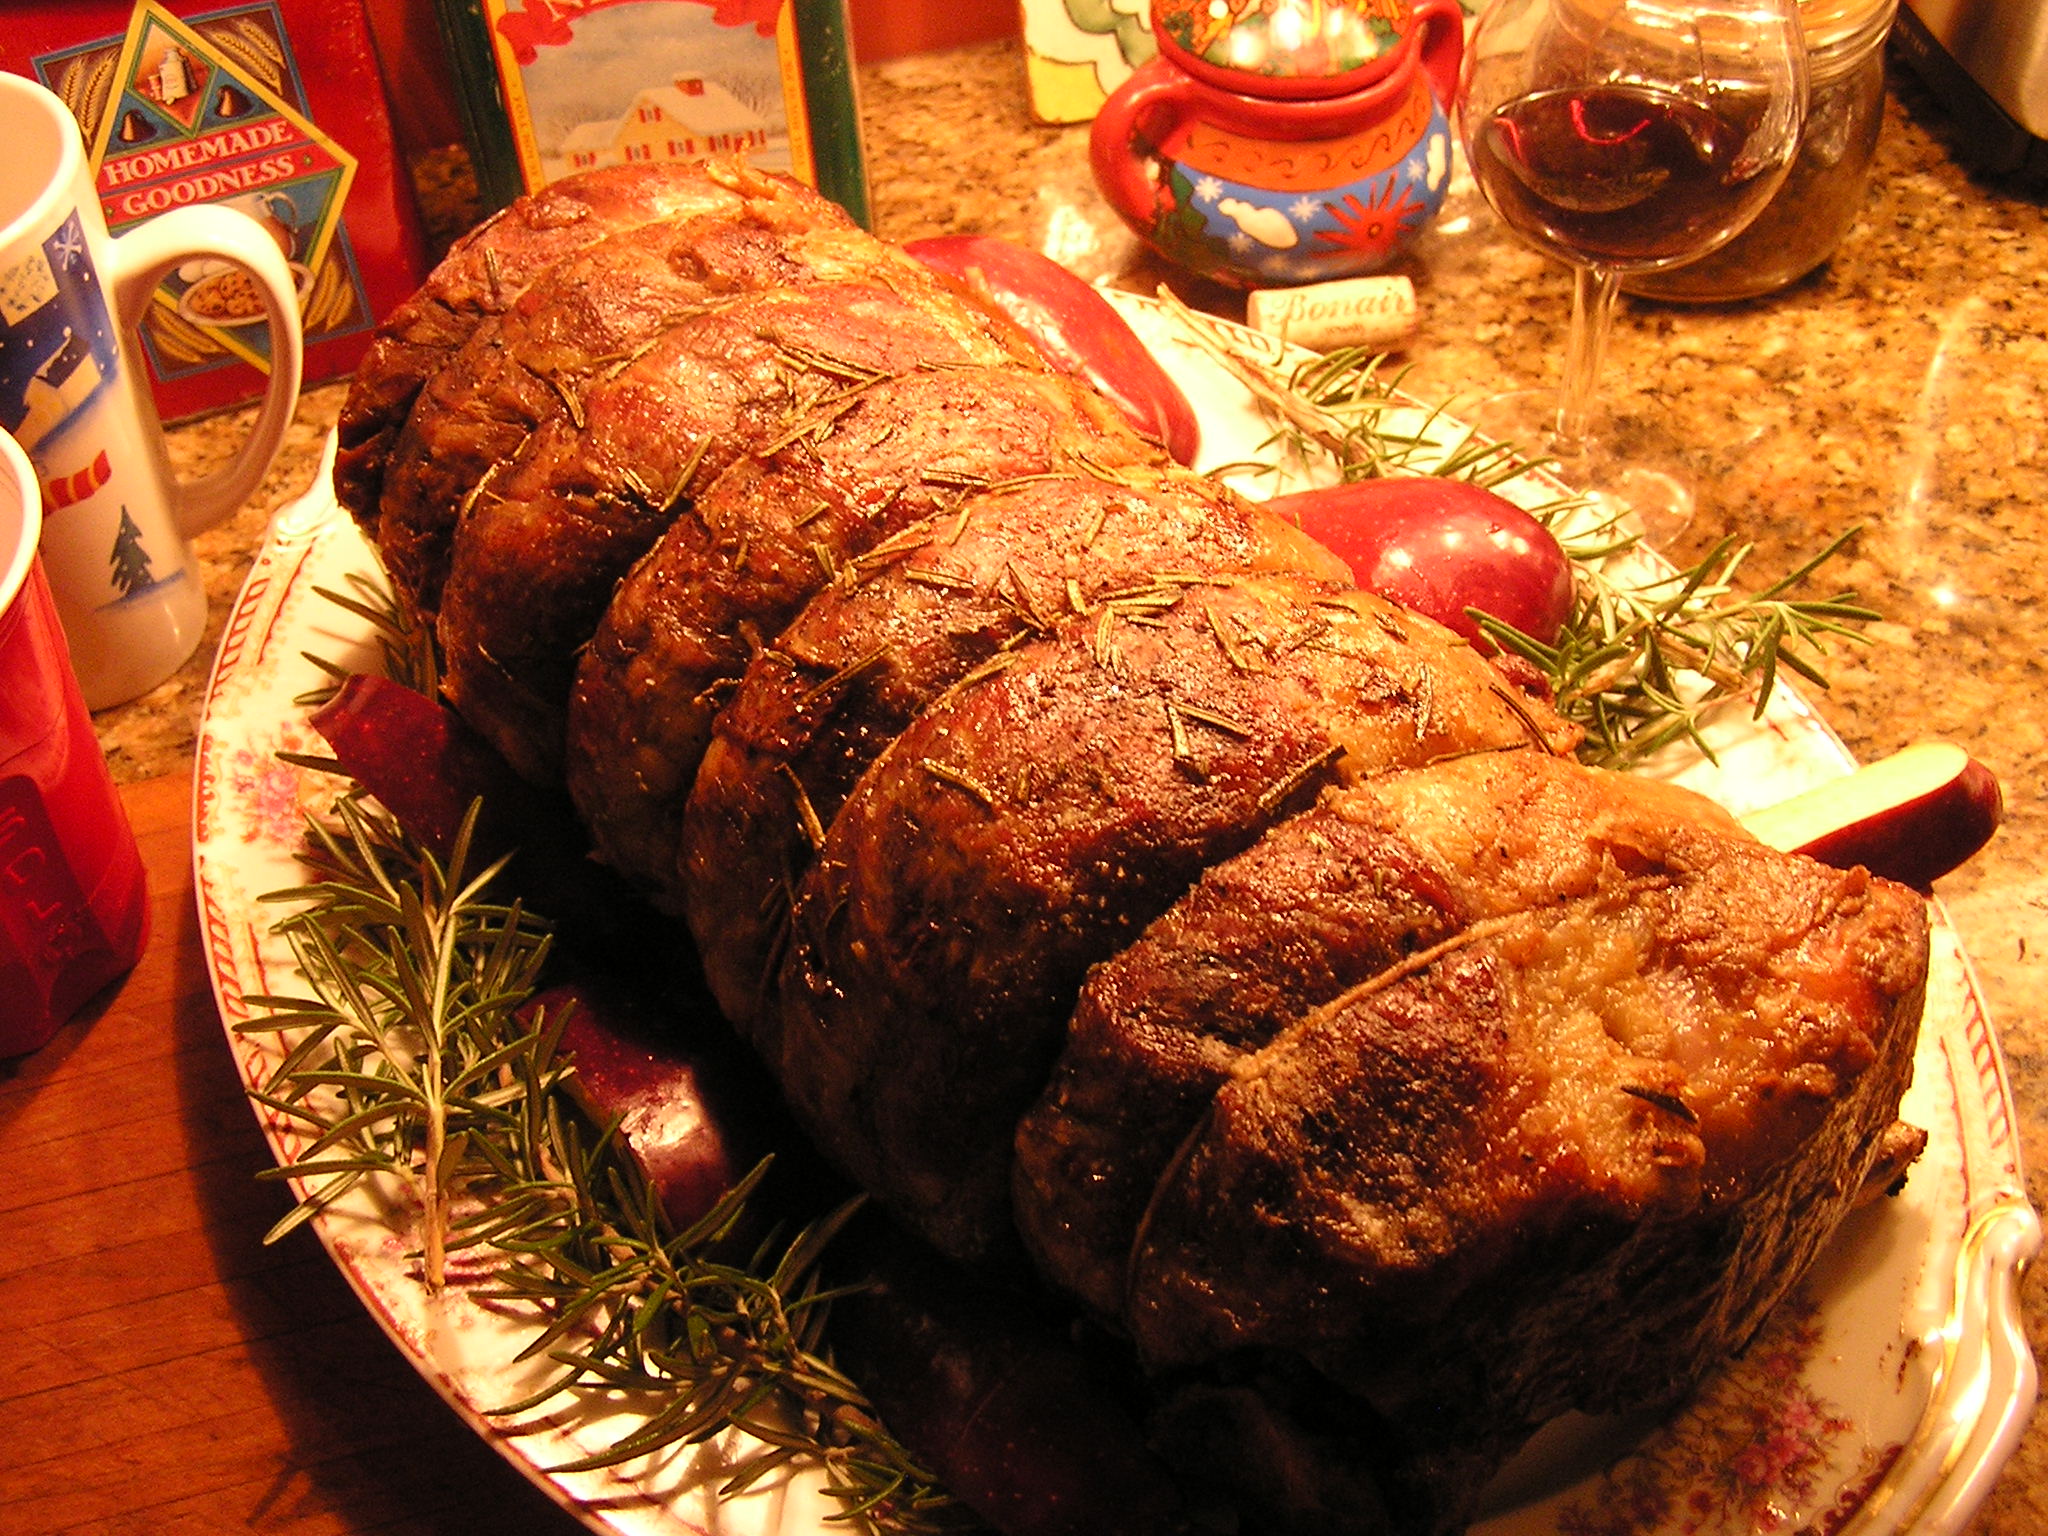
{"type": "Point", "coordinates": [1643, 663]}
{"type": "Point", "coordinates": [1336, 409]}
{"type": "Point", "coordinates": [1649, 654]}
{"type": "Point", "coordinates": [419, 1061]}
{"type": "Point", "coordinates": [405, 642]}
{"type": "Point", "coordinates": [403, 1055]}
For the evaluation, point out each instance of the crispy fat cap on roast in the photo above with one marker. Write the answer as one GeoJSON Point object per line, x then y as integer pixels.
{"type": "Point", "coordinates": [576, 322]}
{"type": "Point", "coordinates": [1489, 1090]}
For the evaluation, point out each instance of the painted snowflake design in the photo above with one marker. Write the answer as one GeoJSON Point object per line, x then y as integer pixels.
{"type": "Point", "coordinates": [67, 244]}
{"type": "Point", "coordinates": [1208, 189]}
{"type": "Point", "coordinates": [1302, 209]}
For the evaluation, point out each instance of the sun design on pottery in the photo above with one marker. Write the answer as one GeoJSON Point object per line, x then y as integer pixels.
{"type": "Point", "coordinates": [1374, 226]}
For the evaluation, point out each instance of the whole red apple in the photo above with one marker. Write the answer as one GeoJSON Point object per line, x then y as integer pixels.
{"type": "Point", "coordinates": [1441, 547]}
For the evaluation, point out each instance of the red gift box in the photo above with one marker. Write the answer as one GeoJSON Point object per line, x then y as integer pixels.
{"type": "Point", "coordinates": [276, 108]}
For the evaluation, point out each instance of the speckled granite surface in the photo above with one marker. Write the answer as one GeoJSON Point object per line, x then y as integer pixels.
{"type": "Point", "coordinates": [1904, 388]}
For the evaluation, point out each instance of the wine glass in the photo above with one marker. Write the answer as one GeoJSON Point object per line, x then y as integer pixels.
{"type": "Point", "coordinates": [1623, 136]}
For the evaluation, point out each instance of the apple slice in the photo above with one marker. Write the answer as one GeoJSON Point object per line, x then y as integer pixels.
{"type": "Point", "coordinates": [1911, 817]}
{"type": "Point", "coordinates": [688, 1103]}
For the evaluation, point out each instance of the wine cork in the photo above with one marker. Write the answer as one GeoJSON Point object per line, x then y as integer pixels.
{"type": "Point", "coordinates": [1351, 312]}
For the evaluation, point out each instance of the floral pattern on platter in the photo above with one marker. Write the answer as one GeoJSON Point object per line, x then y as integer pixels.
{"type": "Point", "coordinates": [1753, 1447]}
{"type": "Point", "coordinates": [272, 795]}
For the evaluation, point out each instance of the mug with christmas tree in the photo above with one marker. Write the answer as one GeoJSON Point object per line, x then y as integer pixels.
{"type": "Point", "coordinates": [74, 394]}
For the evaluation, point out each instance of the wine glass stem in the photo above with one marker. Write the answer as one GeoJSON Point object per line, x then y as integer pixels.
{"type": "Point", "coordinates": [1594, 291]}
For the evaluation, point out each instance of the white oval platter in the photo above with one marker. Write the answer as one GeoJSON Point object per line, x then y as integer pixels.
{"type": "Point", "coordinates": [1883, 1396]}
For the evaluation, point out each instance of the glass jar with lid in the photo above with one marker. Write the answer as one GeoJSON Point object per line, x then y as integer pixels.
{"type": "Point", "coordinates": [1823, 191]}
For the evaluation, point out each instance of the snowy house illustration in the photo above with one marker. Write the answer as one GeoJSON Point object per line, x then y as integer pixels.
{"type": "Point", "coordinates": [683, 120]}
{"type": "Point", "coordinates": [58, 388]}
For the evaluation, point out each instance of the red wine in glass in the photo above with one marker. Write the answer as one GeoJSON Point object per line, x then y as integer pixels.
{"type": "Point", "coordinates": [1623, 136]}
{"type": "Point", "coordinates": [1616, 174]}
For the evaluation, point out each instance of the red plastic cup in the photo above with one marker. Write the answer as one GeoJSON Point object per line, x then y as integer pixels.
{"type": "Point", "coordinates": [74, 912]}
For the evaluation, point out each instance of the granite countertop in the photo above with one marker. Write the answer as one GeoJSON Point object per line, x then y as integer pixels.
{"type": "Point", "coordinates": [1904, 388]}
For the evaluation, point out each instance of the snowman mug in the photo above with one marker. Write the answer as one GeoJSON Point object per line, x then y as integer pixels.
{"type": "Point", "coordinates": [75, 394]}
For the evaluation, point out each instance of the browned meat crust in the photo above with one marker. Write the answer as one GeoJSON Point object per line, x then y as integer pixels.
{"type": "Point", "coordinates": [582, 319]}
{"type": "Point", "coordinates": [907, 620]}
{"type": "Point", "coordinates": [1490, 1090]}
{"type": "Point", "coordinates": [487, 270]}
{"type": "Point", "coordinates": [1036, 817]}
{"type": "Point", "coordinates": [879, 456]}
{"type": "Point", "coordinates": [545, 540]}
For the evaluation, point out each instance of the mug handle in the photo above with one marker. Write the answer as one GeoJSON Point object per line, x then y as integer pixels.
{"type": "Point", "coordinates": [142, 258]}
{"type": "Point", "coordinates": [1113, 152]}
{"type": "Point", "coordinates": [1442, 25]}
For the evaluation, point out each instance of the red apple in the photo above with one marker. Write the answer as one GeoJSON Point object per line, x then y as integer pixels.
{"type": "Point", "coordinates": [1074, 327]}
{"type": "Point", "coordinates": [1441, 547]}
{"type": "Point", "coordinates": [1911, 817]}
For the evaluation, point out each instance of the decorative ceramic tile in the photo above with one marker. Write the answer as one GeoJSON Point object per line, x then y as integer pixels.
{"type": "Point", "coordinates": [1077, 51]}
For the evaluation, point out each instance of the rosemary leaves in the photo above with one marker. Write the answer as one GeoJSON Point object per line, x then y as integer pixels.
{"type": "Point", "coordinates": [418, 1060]}
{"type": "Point", "coordinates": [1649, 654]}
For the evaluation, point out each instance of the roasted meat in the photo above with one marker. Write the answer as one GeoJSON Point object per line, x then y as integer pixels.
{"type": "Point", "coordinates": [1030, 822]}
{"type": "Point", "coordinates": [680, 630]}
{"type": "Point", "coordinates": [911, 617]}
{"type": "Point", "coordinates": [1490, 1089]}
{"type": "Point", "coordinates": [485, 272]}
{"type": "Point", "coordinates": [530, 364]}
{"type": "Point", "coordinates": [1112, 889]}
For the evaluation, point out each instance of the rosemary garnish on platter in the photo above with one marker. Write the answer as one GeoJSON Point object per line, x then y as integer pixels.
{"type": "Point", "coordinates": [1646, 662]}
{"type": "Point", "coordinates": [1650, 654]}
{"type": "Point", "coordinates": [1337, 410]}
{"type": "Point", "coordinates": [409, 1060]}
{"type": "Point", "coordinates": [420, 1071]}
{"type": "Point", "coordinates": [418, 1060]}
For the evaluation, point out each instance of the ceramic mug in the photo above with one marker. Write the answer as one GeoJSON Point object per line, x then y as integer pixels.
{"type": "Point", "coordinates": [1257, 180]}
{"type": "Point", "coordinates": [74, 910]}
{"type": "Point", "coordinates": [75, 393]}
